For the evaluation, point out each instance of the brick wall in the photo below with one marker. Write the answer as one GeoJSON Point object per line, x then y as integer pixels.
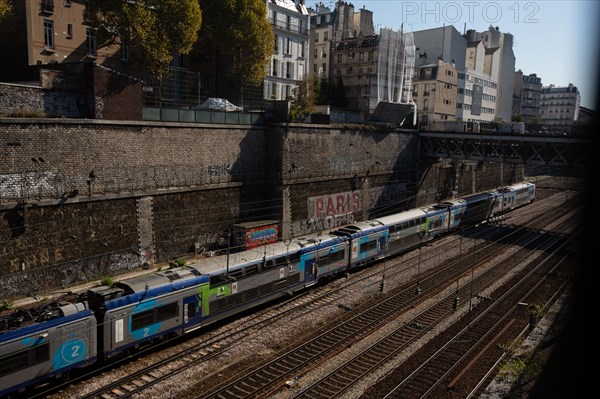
{"type": "Point", "coordinates": [80, 199]}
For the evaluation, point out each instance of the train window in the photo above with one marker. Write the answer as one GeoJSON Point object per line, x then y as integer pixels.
{"type": "Point", "coordinates": [191, 310]}
{"type": "Point", "coordinates": [281, 261]}
{"type": "Point", "coordinates": [268, 264]}
{"type": "Point", "coordinates": [368, 246]}
{"type": "Point", "coordinates": [250, 270]}
{"type": "Point", "coordinates": [411, 223]}
{"type": "Point", "coordinates": [24, 358]}
{"type": "Point", "coordinates": [294, 258]}
{"type": "Point", "coordinates": [167, 312]}
{"type": "Point", "coordinates": [404, 225]}
{"type": "Point", "coordinates": [236, 274]}
{"type": "Point", "coordinates": [142, 319]}
{"type": "Point", "coordinates": [217, 279]}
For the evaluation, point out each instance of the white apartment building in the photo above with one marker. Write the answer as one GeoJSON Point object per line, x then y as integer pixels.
{"type": "Point", "coordinates": [559, 107]}
{"type": "Point", "coordinates": [289, 64]}
{"type": "Point", "coordinates": [477, 86]}
{"type": "Point", "coordinates": [502, 70]}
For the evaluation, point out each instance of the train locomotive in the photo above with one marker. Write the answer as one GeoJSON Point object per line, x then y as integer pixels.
{"type": "Point", "coordinates": [106, 321]}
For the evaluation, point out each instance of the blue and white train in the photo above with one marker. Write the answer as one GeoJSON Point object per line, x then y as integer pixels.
{"type": "Point", "coordinates": [106, 321]}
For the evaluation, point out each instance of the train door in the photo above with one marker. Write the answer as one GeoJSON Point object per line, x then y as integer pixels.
{"type": "Point", "coordinates": [382, 246]}
{"type": "Point", "coordinates": [310, 270]}
{"type": "Point", "coordinates": [192, 312]}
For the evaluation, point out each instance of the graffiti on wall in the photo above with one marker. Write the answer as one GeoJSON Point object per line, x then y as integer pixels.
{"type": "Point", "coordinates": [334, 210]}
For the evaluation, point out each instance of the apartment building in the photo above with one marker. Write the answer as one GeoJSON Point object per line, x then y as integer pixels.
{"type": "Point", "coordinates": [322, 20]}
{"type": "Point", "coordinates": [435, 93]}
{"type": "Point", "coordinates": [355, 56]}
{"type": "Point", "coordinates": [290, 21]}
{"type": "Point", "coordinates": [499, 66]}
{"type": "Point", "coordinates": [527, 96]}
{"type": "Point", "coordinates": [559, 107]}
{"type": "Point", "coordinates": [477, 89]}
{"type": "Point", "coordinates": [53, 31]}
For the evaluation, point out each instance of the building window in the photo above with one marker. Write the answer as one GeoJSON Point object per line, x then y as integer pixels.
{"type": "Point", "coordinates": [69, 31]}
{"type": "Point", "coordinates": [67, 3]}
{"type": "Point", "coordinates": [288, 47]}
{"type": "Point", "coordinates": [302, 49]}
{"type": "Point", "coordinates": [90, 41]}
{"type": "Point", "coordinates": [49, 33]}
{"type": "Point", "coordinates": [290, 70]}
{"type": "Point", "coordinates": [371, 55]}
{"type": "Point", "coordinates": [324, 68]}
{"type": "Point", "coordinates": [276, 43]}
{"type": "Point", "coordinates": [325, 36]}
{"type": "Point", "coordinates": [361, 56]}
{"type": "Point", "coordinates": [315, 68]}
{"type": "Point", "coordinates": [288, 22]}
{"type": "Point", "coordinates": [316, 37]}
{"type": "Point", "coordinates": [275, 67]}
{"type": "Point", "coordinates": [339, 59]}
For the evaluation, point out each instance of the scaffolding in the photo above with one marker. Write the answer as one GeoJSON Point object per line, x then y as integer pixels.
{"type": "Point", "coordinates": [396, 64]}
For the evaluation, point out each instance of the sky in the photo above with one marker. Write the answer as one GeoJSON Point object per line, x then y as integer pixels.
{"type": "Point", "coordinates": [557, 40]}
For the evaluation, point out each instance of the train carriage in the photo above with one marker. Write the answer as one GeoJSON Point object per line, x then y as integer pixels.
{"type": "Point", "coordinates": [50, 348]}
{"type": "Point", "coordinates": [405, 230]}
{"type": "Point", "coordinates": [478, 208]}
{"type": "Point", "coordinates": [367, 241]}
{"type": "Point", "coordinates": [137, 310]}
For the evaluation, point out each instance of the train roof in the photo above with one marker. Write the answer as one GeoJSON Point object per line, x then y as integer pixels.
{"type": "Point", "coordinates": [217, 264]}
{"type": "Point", "coordinates": [44, 325]}
{"type": "Point", "coordinates": [358, 228]}
{"type": "Point", "coordinates": [402, 216]}
{"type": "Point", "coordinates": [477, 197]}
{"type": "Point", "coordinates": [450, 203]}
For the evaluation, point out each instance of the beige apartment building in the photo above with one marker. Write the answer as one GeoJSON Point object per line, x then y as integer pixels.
{"type": "Point", "coordinates": [435, 93]}
{"type": "Point", "coordinates": [62, 34]}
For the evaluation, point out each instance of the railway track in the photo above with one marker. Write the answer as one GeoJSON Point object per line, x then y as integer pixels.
{"type": "Point", "coordinates": [325, 345]}
{"type": "Point", "coordinates": [212, 347]}
{"type": "Point", "coordinates": [487, 329]}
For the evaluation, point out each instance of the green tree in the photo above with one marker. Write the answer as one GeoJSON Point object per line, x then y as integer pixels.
{"type": "Point", "coordinates": [242, 32]}
{"type": "Point", "coordinates": [517, 118]}
{"type": "Point", "coordinates": [5, 8]}
{"type": "Point", "coordinates": [152, 29]}
{"type": "Point", "coordinates": [304, 101]}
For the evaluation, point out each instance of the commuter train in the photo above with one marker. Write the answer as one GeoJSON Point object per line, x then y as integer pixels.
{"type": "Point", "coordinates": [106, 321]}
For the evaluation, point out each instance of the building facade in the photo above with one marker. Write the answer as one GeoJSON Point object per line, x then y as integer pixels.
{"type": "Point", "coordinates": [435, 93]}
{"type": "Point", "coordinates": [527, 96]}
{"type": "Point", "coordinates": [322, 20]}
{"type": "Point", "coordinates": [290, 21]}
{"type": "Point", "coordinates": [51, 31]}
{"type": "Point", "coordinates": [477, 87]}
{"type": "Point", "coordinates": [499, 66]}
{"type": "Point", "coordinates": [559, 108]}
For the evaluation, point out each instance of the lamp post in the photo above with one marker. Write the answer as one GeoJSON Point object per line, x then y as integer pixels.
{"type": "Point", "coordinates": [472, 272]}
{"type": "Point", "coordinates": [382, 285]}
{"type": "Point", "coordinates": [421, 235]}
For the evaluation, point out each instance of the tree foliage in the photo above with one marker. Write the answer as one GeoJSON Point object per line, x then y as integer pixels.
{"type": "Point", "coordinates": [5, 9]}
{"type": "Point", "coordinates": [241, 30]}
{"type": "Point", "coordinates": [304, 102]}
{"type": "Point", "coordinates": [152, 29]}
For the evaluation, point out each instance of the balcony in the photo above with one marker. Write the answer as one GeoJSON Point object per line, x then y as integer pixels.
{"type": "Point", "coordinates": [294, 28]}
